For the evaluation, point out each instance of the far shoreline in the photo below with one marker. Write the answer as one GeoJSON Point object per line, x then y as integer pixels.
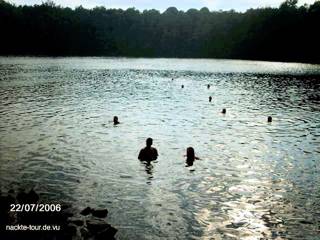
{"type": "Point", "coordinates": [158, 58]}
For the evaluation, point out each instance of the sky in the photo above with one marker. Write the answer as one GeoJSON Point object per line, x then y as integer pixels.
{"type": "Point", "coordinates": [238, 5]}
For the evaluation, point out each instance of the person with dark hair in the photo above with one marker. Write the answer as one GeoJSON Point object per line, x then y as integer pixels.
{"type": "Point", "coordinates": [210, 99]}
{"type": "Point", "coordinates": [191, 156]}
{"type": "Point", "coordinates": [115, 120]}
{"type": "Point", "coordinates": [148, 153]}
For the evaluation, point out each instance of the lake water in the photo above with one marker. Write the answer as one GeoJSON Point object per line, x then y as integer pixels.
{"type": "Point", "coordinates": [255, 180]}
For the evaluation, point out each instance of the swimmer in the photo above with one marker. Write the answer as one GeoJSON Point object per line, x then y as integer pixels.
{"type": "Point", "coordinates": [148, 153]}
{"type": "Point", "coordinates": [115, 120]}
{"type": "Point", "coordinates": [224, 111]}
{"type": "Point", "coordinates": [210, 99]}
{"type": "Point", "coordinates": [190, 156]}
{"type": "Point", "coordinates": [269, 119]}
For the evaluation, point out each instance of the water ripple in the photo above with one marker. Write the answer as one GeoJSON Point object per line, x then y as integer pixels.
{"type": "Point", "coordinates": [255, 180]}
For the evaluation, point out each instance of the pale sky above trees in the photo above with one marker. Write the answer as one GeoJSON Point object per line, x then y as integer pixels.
{"type": "Point", "coordinates": [238, 5]}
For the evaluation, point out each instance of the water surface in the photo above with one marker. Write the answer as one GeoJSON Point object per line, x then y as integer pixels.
{"type": "Point", "coordinates": [255, 180]}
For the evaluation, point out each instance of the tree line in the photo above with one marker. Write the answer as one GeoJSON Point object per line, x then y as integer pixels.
{"type": "Point", "coordinates": [286, 33]}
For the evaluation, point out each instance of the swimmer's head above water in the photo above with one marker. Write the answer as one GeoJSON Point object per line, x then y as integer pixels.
{"type": "Point", "coordinates": [149, 142]}
{"type": "Point", "coordinates": [115, 120]}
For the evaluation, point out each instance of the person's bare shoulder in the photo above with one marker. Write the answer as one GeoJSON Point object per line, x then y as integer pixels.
{"type": "Point", "coordinates": [141, 153]}
{"type": "Point", "coordinates": [155, 150]}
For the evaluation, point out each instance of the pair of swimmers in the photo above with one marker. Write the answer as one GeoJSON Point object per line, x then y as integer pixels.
{"type": "Point", "coordinates": [182, 86]}
{"type": "Point", "coordinates": [150, 153]}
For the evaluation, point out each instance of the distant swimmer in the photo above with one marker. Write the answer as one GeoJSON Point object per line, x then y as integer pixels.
{"type": "Point", "coordinates": [210, 99]}
{"type": "Point", "coordinates": [115, 120]}
{"type": "Point", "coordinates": [191, 156]}
{"type": "Point", "coordinates": [269, 119]}
{"type": "Point", "coordinates": [182, 86]}
{"type": "Point", "coordinates": [224, 111]}
{"type": "Point", "coordinates": [148, 153]}
{"type": "Point", "coordinates": [208, 86]}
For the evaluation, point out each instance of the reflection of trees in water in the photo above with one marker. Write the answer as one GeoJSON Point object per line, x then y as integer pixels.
{"type": "Point", "coordinates": [279, 89]}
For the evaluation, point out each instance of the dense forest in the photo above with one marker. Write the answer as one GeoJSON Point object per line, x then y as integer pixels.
{"type": "Point", "coordinates": [286, 33]}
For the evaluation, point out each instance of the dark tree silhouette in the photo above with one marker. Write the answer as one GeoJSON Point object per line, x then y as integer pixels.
{"type": "Point", "coordinates": [287, 33]}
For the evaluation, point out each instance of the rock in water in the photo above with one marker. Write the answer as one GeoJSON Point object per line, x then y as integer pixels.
{"type": "Point", "coordinates": [32, 196]}
{"type": "Point", "coordinates": [86, 211]}
{"type": "Point", "coordinates": [76, 221]}
{"type": "Point", "coordinates": [22, 197]}
{"type": "Point", "coordinates": [107, 234]}
{"type": "Point", "coordinates": [84, 233]}
{"type": "Point", "coordinates": [71, 229]}
{"type": "Point", "coordinates": [102, 213]}
{"type": "Point", "coordinates": [96, 225]}
{"type": "Point", "coordinates": [89, 227]}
